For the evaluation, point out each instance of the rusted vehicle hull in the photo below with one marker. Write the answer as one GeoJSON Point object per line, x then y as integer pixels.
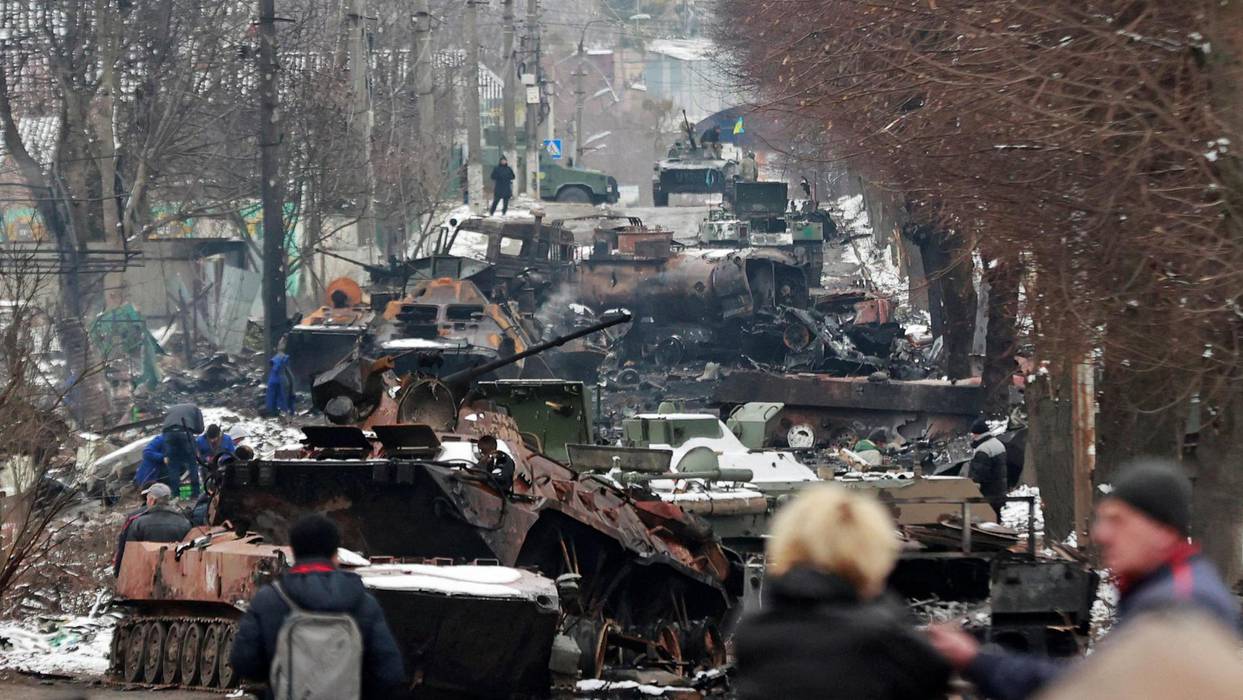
{"type": "Point", "coordinates": [840, 410]}
{"type": "Point", "coordinates": [183, 612]}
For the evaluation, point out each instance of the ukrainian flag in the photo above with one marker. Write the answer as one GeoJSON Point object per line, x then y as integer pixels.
{"type": "Point", "coordinates": [738, 127]}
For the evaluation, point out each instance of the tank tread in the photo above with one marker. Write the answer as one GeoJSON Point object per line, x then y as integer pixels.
{"type": "Point", "coordinates": [203, 665]}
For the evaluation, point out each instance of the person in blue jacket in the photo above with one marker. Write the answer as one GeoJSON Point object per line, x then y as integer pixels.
{"type": "Point", "coordinates": [280, 385]}
{"type": "Point", "coordinates": [213, 443]}
{"type": "Point", "coordinates": [1141, 530]}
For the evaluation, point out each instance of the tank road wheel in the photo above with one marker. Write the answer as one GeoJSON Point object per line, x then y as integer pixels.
{"type": "Point", "coordinates": [116, 652]}
{"type": "Point", "coordinates": [706, 645]}
{"type": "Point", "coordinates": [227, 678]}
{"type": "Point", "coordinates": [669, 647]}
{"type": "Point", "coordinates": [172, 652]}
{"type": "Point", "coordinates": [191, 644]}
{"type": "Point", "coordinates": [153, 654]}
{"type": "Point", "coordinates": [135, 644]}
{"type": "Point", "coordinates": [207, 656]}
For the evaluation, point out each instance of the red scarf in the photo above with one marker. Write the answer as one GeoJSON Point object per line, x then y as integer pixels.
{"type": "Point", "coordinates": [1178, 563]}
{"type": "Point", "coordinates": [314, 567]}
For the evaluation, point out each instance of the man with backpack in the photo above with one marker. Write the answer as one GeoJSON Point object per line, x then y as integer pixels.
{"type": "Point", "coordinates": [316, 633]}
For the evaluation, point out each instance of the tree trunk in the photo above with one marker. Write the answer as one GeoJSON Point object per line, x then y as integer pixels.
{"type": "Point", "coordinates": [959, 302]}
{"type": "Point", "coordinates": [1001, 340]}
{"type": "Point", "coordinates": [1049, 451]}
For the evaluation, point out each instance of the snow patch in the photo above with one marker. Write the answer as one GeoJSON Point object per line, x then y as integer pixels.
{"type": "Point", "coordinates": [72, 646]}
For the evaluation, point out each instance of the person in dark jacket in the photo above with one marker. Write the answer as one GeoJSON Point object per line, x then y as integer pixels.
{"type": "Point", "coordinates": [1141, 530]}
{"type": "Point", "coordinates": [315, 583]}
{"type": "Point", "coordinates": [988, 466]}
{"type": "Point", "coordinates": [825, 631]}
{"type": "Point", "coordinates": [499, 465]}
{"type": "Point", "coordinates": [159, 521]}
{"type": "Point", "coordinates": [502, 186]}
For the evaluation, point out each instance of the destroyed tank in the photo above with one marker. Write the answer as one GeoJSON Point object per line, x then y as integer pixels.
{"type": "Point", "coordinates": [637, 583]}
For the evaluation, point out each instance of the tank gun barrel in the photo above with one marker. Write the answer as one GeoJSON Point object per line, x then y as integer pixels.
{"type": "Point", "coordinates": [690, 133]}
{"type": "Point", "coordinates": [463, 377]}
{"type": "Point", "coordinates": [723, 474]}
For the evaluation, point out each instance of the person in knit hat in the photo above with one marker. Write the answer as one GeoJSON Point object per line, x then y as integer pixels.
{"type": "Point", "coordinates": [1141, 530]}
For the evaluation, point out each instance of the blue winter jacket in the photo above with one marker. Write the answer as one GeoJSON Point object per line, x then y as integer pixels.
{"type": "Point", "coordinates": [152, 462]}
{"type": "Point", "coordinates": [227, 446]}
{"type": "Point", "coordinates": [319, 586]}
{"type": "Point", "coordinates": [1191, 582]}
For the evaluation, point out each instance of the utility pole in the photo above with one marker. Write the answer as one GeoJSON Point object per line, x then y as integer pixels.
{"type": "Point", "coordinates": [270, 190]}
{"type": "Point", "coordinates": [361, 123]}
{"type": "Point", "coordinates": [510, 146]}
{"type": "Point", "coordinates": [580, 94]}
{"type": "Point", "coordinates": [474, 163]}
{"type": "Point", "coordinates": [532, 69]}
{"type": "Point", "coordinates": [423, 71]}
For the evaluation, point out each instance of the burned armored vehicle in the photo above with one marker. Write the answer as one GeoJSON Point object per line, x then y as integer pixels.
{"type": "Point", "coordinates": [689, 303]}
{"type": "Point", "coordinates": [582, 575]}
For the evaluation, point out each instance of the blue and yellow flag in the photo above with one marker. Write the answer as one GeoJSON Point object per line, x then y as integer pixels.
{"type": "Point", "coordinates": [738, 127]}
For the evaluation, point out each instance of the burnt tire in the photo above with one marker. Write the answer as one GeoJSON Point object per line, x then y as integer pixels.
{"type": "Point", "coordinates": [191, 647]}
{"type": "Point", "coordinates": [226, 678]}
{"type": "Point", "coordinates": [135, 648]}
{"type": "Point", "coordinates": [209, 655]}
{"type": "Point", "coordinates": [171, 654]}
{"type": "Point", "coordinates": [153, 652]}
{"type": "Point", "coordinates": [574, 195]}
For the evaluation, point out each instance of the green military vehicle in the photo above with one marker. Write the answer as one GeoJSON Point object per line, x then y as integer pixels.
{"type": "Point", "coordinates": [561, 183]}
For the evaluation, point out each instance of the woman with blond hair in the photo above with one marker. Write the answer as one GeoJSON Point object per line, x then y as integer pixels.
{"type": "Point", "coordinates": [824, 630]}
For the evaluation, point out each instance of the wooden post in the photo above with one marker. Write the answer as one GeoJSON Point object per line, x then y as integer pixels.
{"type": "Point", "coordinates": [1083, 435]}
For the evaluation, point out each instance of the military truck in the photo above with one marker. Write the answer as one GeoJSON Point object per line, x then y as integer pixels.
{"type": "Point", "coordinates": [566, 183]}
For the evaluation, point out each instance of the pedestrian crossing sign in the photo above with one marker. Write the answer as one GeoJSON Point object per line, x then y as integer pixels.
{"type": "Point", "coordinates": [553, 148]}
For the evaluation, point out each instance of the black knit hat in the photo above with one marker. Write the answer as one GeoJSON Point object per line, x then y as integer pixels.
{"type": "Point", "coordinates": [980, 427]}
{"type": "Point", "coordinates": [1159, 489]}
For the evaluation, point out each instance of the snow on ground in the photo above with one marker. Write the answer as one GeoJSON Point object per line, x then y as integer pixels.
{"type": "Point", "coordinates": [600, 686]}
{"type": "Point", "coordinates": [72, 646]}
{"type": "Point", "coordinates": [263, 435]}
{"type": "Point", "coordinates": [1014, 514]}
{"type": "Point", "coordinates": [874, 262]}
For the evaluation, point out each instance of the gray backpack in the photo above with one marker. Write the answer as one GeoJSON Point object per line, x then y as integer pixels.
{"type": "Point", "coordinates": [319, 655]}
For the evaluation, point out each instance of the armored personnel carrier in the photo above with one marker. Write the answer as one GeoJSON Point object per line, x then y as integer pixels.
{"type": "Point", "coordinates": [600, 578]}
{"type": "Point", "coordinates": [692, 168]}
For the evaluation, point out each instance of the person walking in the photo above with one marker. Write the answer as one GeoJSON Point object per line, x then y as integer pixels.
{"type": "Point", "coordinates": [312, 587]}
{"type": "Point", "coordinates": [280, 397]}
{"type": "Point", "coordinates": [988, 465]}
{"type": "Point", "coordinates": [1140, 529]}
{"type": "Point", "coordinates": [159, 521]}
{"type": "Point", "coordinates": [825, 630]}
{"type": "Point", "coordinates": [502, 186]}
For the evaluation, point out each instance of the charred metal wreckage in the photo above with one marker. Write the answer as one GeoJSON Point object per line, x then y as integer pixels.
{"type": "Point", "coordinates": [619, 539]}
{"type": "Point", "coordinates": [583, 573]}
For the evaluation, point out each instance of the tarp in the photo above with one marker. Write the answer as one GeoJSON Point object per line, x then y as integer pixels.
{"type": "Point", "coordinates": [121, 333]}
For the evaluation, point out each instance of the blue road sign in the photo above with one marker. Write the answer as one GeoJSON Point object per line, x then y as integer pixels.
{"type": "Point", "coordinates": [553, 148]}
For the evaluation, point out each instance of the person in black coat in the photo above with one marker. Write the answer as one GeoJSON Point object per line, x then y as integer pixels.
{"type": "Point", "coordinates": [157, 521]}
{"type": "Point", "coordinates": [825, 631]}
{"type": "Point", "coordinates": [502, 186]}
{"type": "Point", "coordinates": [315, 583]}
{"type": "Point", "coordinates": [989, 468]}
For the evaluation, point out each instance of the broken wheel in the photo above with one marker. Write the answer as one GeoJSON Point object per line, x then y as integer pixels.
{"type": "Point", "coordinates": [227, 677]}
{"type": "Point", "coordinates": [801, 437]}
{"type": "Point", "coordinates": [116, 654]}
{"type": "Point", "coordinates": [153, 652]}
{"type": "Point", "coordinates": [191, 646]}
{"type": "Point", "coordinates": [669, 647]}
{"type": "Point", "coordinates": [172, 652]}
{"type": "Point", "coordinates": [207, 656]}
{"type": "Point", "coordinates": [135, 645]}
